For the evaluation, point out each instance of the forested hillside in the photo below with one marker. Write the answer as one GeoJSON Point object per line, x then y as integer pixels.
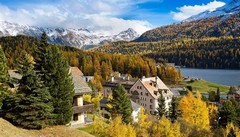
{"type": "Point", "coordinates": [92, 63]}
{"type": "Point", "coordinates": [211, 27]}
{"type": "Point", "coordinates": [221, 53]}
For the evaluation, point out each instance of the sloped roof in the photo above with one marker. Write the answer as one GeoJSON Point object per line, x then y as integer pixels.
{"type": "Point", "coordinates": [152, 86]}
{"type": "Point", "coordinates": [80, 86]}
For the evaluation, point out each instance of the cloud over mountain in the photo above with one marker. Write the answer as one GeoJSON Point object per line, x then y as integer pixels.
{"type": "Point", "coordinates": [103, 16]}
{"type": "Point", "coordinates": [187, 11]}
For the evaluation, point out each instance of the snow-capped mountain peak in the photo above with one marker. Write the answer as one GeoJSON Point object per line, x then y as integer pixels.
{"type": "Point", "coordinates": [127, 35]}
{"type": "Point", "coordinates": [80, 38]}
{"type": "Point", "coordinates": [228, 9]}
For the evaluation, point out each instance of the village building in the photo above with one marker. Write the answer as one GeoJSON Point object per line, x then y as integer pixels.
{"type": "Point", "coordinates": [80, 107]}
{"type": "Point", "coordinates": [112, 83]}
{"type": "Point", "coordinates": [234, 95]}
{"type": "Point", "coordinates": [146, 92]}
{"type": "Point", "coordinates": [80, 88]}
{"type": "Point", "coordinates": [126, 81]}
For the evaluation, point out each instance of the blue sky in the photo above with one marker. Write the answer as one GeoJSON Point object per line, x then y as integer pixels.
{"type": "Point", "coordinates": [104, 16]}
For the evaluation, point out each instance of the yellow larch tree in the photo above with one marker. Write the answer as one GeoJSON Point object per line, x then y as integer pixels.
{"type": "Point", "coordinates": [235, 129]}
{"type": "Point", "coordinates": [118, 129]}
{"type": "Point", "coordinates": [143, 124]}
{"type": "Point", "coordinates": [194, 110]}
{"type": "Point", "coordinates": [165, 128]}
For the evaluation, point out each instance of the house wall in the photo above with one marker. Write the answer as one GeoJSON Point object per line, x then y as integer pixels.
{"type": "Point", "coordinates": [145, 99]}
{"type": "Point", "coordinates": [79, 100]}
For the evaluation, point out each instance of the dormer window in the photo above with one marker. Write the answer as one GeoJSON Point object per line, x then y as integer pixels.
{"type": "Point", "coordinates": [165, 91]}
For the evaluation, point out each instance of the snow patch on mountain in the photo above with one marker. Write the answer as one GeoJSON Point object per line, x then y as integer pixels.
{"type": "Point", "coordinates": [80, 38]}
{"type": "Point", "coordinates": [231, 8]}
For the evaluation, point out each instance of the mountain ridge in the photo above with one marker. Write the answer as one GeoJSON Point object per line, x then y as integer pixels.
{"type": "Point", "coordinates": [217, 25]}
{"type": "Point", "coordinates": [81, 38]}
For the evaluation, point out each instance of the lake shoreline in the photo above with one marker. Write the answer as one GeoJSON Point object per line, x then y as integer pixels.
{"type": "Point", "coordinates": [220, 76]}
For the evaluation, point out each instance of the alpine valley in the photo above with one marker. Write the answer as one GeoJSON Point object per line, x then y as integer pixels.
{"type": "Point", "coordinates": [207, 40]}
{"type": "Point", "coordinates": [80, 38]}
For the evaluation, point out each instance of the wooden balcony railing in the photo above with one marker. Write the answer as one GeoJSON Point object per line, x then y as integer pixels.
{"type": "Point", "coordinates": [84, 108]}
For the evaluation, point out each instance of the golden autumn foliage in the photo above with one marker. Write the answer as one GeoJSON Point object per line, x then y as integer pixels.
{"type": "Point", "coordinates": [99, 127]}
{"type": "Point", "coordinates": [165, 128]}
{"type": "Point", "coordinates": [118, 129]}
{"type": "Point", "coordinates": [234, 129]}
{"type": "Point", "coordinates": [194, 110]}
{"type": "Point", "coordinates": [143, 124]}
{"type": "Point", "coordinates": [95, 100]}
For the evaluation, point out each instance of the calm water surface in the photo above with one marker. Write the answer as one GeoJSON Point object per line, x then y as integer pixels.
{"type": "Point", "coordinates": [220, 76]}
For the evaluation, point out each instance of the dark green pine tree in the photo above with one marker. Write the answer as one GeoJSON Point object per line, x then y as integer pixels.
{"type": "Point", "coordinates": [173, 111]}
{"type": "Point", "coordinates": [59, 82]}
{"type": "Point", "coordinates": [161, 109]}
{"type": "Point", "coordinates": [228, 114]}
{"type": "Point", "coordinates": [3, 67]}
{"type": "Point", "coordinates": [217, 98]}
{"type": "Point", "coordinates": [121, 104]}
{"type": "Point", "coordinates": [41, 52]}
{"type": "Point", "coordinates": [24, 63]}
{"type": "Point", "coordinates": [32, 106]}
{"type": "Point", "coordinates": [4, 78]}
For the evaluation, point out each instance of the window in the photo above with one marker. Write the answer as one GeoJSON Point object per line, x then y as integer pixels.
{"type": "Point", "coordinates": [146, 94]}
{"type": "Point", "coordinates": [165, 91]}
{"type": "Point", "coordinates": [140, 87]}
{"type": "Point", "coordinates": [75, 117]}
{"type": "Point", "coordinates": [141, 93]}
{"type": "Point", "coordinates": [151, 101]}
{"type": "Point", "coordinates": [150, 107]}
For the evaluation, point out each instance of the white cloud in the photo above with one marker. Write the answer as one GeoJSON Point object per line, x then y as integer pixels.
{"type": "Point", "coordinates": [103, 16]}
{"type": "Point", "coordinates": [187, 11]}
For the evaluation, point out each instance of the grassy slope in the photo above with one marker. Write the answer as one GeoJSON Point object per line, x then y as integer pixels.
{"type": "Point", "coordinates": [8, 130]}
{"type": "Point", "coordinates": [205, 86]}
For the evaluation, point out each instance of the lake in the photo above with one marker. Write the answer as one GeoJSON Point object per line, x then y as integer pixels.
{"type": "Point", "coordinates": [220, 76]}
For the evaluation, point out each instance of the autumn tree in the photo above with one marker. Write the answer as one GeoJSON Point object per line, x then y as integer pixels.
{"type": "Point", "coordinates": [94, 99]}
{"type": "Point", "coordinates": [99, 127]}
{"type": "Point", "coordinates": [120, 104]}
{"type": "Point", "coordinates": [161, 109]}
{"type": "Point", "coordinates": [231, 130]}
{"type": "Point", "coordinates": [194, 110]}
{"type": "Point", "coordinates": [119, 129]}
{"type": "Point", "coordinates": [143, 124]}
{"type": "Point", "coordinates": [166, 128]}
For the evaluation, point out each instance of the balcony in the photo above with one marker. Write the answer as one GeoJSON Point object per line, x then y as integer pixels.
{"type": "Point", "coordinates": [83, 109]}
